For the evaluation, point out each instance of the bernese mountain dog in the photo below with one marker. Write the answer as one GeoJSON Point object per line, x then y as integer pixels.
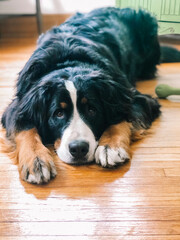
{"type": "Point", "coordinates": [77, 91]}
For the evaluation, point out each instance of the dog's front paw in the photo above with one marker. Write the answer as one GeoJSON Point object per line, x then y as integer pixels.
{"type": "Point", "coordinates": [110, 157]}
{"type": "Point", "coordinates": [38, 171]}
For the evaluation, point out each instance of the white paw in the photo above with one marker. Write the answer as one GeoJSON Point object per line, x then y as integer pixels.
{"type": "Point", "coordinates": [110, 157]}
{"type": "Point", "coordinates": [40, 172]}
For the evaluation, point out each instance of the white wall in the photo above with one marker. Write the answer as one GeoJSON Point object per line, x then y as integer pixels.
{"type": "Point", "coordinates": [52, 6]}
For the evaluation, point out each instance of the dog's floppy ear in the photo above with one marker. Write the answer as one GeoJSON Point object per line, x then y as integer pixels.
{"type": "Point", "coordinates": [32, 109]}
{"type": "Point", "coordinates": [116, 99]}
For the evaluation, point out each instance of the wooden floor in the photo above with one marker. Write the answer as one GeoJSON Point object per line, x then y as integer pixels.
{"type": "Point", "coordinates": [138, 201]}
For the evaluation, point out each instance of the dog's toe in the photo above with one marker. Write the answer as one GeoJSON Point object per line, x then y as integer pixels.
{"type": "Point", "coordinates": [40, 172]}
{"type": "Point", "coordinates": [110, 157]}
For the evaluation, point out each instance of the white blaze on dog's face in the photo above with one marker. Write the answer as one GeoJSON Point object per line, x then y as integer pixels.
{"type": "Point", "coordinates": [78, 143]}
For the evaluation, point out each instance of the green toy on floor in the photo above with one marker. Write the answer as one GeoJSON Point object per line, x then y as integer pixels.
{"type": "Point", "coordinates": [163, 91]}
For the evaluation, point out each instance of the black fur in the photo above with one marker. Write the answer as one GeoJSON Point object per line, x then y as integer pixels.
{"type": "Point", "coordinates": [103, 52]}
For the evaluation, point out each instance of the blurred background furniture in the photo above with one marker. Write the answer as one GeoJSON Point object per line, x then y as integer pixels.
{"type": "Point", "coordinates": [13, 8]}
{"type": "Point", "coordinates": [166, 11]}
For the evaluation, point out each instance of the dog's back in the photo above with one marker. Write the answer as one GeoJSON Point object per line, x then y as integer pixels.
{"type": "Point", "coordinates": [124, 36]}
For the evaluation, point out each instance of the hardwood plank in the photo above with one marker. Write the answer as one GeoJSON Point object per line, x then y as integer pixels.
{"type": "Point", "coordinates": [90, 228]}
{"type": "Point", "coordinates": [171, 172]}
{"type": "Point", "coordinates": [92, 191]}
{"type": "Point", "coordinates": [62, 201]}
{"type": "Point", "coordinates": [152, 237]}
{"type": "Point", "coordinates": [89, 214]}
{"type": "Point", "coordinates": [90, 181]}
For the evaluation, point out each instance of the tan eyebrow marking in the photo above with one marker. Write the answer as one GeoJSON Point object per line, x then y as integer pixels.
{"type": "Point", "coordinates": [63, 105]}
{"type": "Point", "coordinates": [84, 100]}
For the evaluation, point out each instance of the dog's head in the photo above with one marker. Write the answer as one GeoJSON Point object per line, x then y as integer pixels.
{"type": "Point", "coordinates": [72, 108]}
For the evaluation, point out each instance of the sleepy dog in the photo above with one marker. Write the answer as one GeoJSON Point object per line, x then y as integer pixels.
{"type": "Point", "coordinates": [77, 91]}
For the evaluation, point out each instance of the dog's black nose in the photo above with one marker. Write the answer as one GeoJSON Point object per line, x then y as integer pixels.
{"type": "Point", "coordinates": [78, 149]}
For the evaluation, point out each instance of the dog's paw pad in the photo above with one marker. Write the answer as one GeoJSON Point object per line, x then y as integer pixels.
{"type": "Point", "coordinates": [40, 172]}
{"type": "Point", "coordinates": [110, 157]}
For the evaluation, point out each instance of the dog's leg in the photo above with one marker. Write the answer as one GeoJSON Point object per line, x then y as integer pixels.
{"type": "Point", "coordinates": [113, 146]}
{"type": "Point", "coordinates": [35, 161]}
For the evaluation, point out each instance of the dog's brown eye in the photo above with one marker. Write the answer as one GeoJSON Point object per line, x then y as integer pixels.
{"type": "Point", "coordinates": [59, 113]}
{"type": "Point", "coordinates": [91, 111]}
